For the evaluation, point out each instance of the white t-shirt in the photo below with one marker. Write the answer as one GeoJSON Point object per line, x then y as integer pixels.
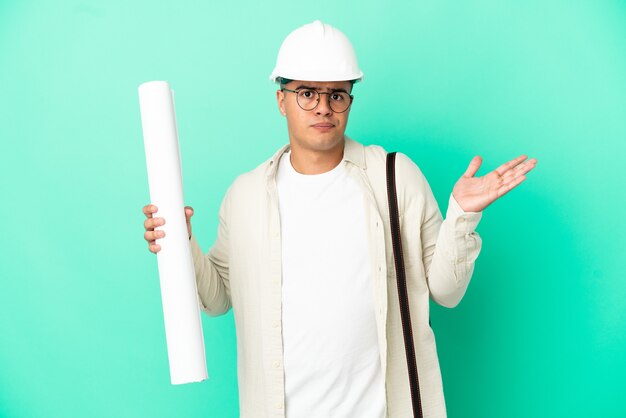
{"type": "Point", "coordinates": [331, 357]}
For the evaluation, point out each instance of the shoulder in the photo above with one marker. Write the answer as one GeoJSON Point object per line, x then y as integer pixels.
{"type": "Point", "coordinates": [411, 184]}
{"type": "Point", "coordinates": [375, 157]}
{"type": "Point", "coordinates": [251, 178]}
{"type": "Point", "coordinates": [253, 183]}
{"type": "Point", "coordinates": [244, 192]}
{"type": "Point", "coordinates": [407, 168]}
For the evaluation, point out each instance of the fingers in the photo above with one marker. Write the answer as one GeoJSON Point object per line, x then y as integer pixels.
{"type": "Point", "coordinates": [151, 223]}
{"type": "Point", "coordinates": [520, 169]}
{"type": "Point", "coordinates": [514, 175]}
{"type": "Point", "coordinates": [152, 236]}
{"type": "Point", "coordinates": [148, 210]}
{"type": "Point", "coordinates": [509, 165]}
{"type": "Point", "coordinates": [473, 166]}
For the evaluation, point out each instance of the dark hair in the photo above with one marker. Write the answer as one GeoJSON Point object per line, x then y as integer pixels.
{"type": "Point", "coordinates": [283, 81]}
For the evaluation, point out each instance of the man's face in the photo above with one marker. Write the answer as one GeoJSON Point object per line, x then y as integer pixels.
{"type": "Point", "coordinates": [320, 129]}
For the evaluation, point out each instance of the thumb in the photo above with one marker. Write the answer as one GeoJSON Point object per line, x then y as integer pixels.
{"type": "Point", "coordinates": [473, 167]}
{"type": "Point", "coordinates": [188, 215]}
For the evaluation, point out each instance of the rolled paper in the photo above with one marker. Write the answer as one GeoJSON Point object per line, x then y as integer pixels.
{"type": "Point", "coordinates": [183, 327]}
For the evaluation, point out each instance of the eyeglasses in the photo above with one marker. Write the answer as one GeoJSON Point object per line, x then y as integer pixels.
{"type": "Point", "coordinates": [308, 99]}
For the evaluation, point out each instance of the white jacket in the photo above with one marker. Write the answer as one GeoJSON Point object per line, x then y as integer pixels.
{"type": "Point", "coordinates": [243, 271]}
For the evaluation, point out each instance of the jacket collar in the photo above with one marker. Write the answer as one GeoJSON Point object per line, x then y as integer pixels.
{"type": "Point", "coordinates": [353, 152]}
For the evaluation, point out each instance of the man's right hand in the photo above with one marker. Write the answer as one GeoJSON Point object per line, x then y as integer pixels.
{"type": "Point", "coordinates": [151, 222]}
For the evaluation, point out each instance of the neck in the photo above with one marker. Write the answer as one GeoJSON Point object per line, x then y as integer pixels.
{"type": "Point", "coordinates": [307, 161]}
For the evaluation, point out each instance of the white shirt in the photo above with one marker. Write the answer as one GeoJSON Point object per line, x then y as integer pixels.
{"type": "Point", "coordinates": [331, 356]}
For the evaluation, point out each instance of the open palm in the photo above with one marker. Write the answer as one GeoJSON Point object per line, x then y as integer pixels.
{"type": "Point", "coordinates": [474, 194]}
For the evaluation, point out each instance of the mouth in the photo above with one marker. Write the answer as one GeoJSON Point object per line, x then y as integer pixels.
{"type": "Point", "coordinates": [324, 126]}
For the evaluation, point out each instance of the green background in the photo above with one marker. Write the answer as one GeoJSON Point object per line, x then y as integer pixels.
{"type": "Point", "coordinates": [541, 331]}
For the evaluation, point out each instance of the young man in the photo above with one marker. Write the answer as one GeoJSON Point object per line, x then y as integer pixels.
{"type": "Point", "coordinates": [304, 256]}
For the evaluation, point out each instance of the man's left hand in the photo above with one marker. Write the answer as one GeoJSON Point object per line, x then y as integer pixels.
{"type": "Point", "coordinates": [474, 194]}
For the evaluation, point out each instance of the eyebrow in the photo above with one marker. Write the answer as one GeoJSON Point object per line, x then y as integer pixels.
{"type": "Point", "coordinates": [302, 86]}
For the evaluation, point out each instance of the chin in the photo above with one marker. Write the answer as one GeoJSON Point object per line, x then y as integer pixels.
{"type": "Point", "coordinates": [324, 143]}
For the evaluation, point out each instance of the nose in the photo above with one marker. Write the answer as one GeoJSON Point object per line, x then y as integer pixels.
{"type": "Point", "coordinates": [323, 106]}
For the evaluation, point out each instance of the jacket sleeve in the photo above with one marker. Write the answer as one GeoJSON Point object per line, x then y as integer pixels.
{"type": "Point", "coordinates": [449, 256]}
{"type": "Point", "coordinates": [212, 269]}
{"type": "Point", "coordinates": [449, 247]}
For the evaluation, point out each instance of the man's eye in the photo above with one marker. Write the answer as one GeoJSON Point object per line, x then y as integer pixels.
{"type": "Point", "coordinates": [336, 97]}
{"type": "Point", "coordinates": [307, 94]}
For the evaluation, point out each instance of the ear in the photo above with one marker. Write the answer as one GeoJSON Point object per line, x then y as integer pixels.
{"type": "Point", "coordinates": [280, 100]}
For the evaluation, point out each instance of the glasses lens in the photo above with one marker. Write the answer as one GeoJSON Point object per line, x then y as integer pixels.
{"type": "Point", "coordinates": [339, 101]}
{"type": "Point", "coordinates": [307, 99]}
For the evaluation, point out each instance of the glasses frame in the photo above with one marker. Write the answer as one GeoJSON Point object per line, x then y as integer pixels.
{"type": "Point", "coordinates": [319, 97]}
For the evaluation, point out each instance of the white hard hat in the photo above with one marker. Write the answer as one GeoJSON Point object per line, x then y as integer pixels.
{"type": "Point", "coordinates": [317, 52]}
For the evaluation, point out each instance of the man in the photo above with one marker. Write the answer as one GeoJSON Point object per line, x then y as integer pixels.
{"type": "Point", "coordinates": [304, 256]}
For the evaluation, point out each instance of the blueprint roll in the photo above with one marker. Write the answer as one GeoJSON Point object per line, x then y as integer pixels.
{"type": "Point", "coordinates": [183, 327]}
